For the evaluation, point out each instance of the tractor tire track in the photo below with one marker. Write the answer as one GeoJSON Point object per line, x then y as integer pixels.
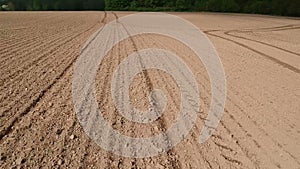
{"type": "Point", "coordinates": [283, 64]}
{"type": "Point", "coordinates": [279, 146]}
{"type": "Point", "coordinates": [171, 153]}
{"type": "Point", "coordinates": [229, 33]}
{"type": "Point", "coordinates": [253, 133]}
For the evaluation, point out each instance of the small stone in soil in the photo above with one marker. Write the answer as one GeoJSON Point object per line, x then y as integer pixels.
{"type": "Point", "coordinates": [72, 137]}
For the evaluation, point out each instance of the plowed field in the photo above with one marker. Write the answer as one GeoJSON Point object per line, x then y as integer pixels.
{"type": "Point", "coordinates": [39, 127]}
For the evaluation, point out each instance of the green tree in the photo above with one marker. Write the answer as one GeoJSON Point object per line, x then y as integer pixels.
{"type": "Point", "coordinates": [276, 7]}
{"type": "Point", "coordinates": [229, 6]}
{"type": "Point", "coordinates": [293, 7]}
{"type": "Point", "coordinates": [214, 5]}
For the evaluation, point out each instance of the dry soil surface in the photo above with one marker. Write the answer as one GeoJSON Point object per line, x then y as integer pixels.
{"type": "Point", "coordinates": [39, 126]}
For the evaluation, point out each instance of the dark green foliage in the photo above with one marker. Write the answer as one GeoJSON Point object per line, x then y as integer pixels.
{"type": "Point", "coordinates": [275, 7]}
{"type": "Point", "coordinates": [65, 5]}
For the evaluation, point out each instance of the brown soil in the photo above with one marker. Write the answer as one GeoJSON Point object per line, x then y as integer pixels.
{"type": "Point", "coordinates": [39, 127]}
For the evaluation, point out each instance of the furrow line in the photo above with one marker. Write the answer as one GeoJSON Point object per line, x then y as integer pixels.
{"type": "Point", "coordinates": [283, 64]}
{"type": "Point", "coordinates": [229, 33]}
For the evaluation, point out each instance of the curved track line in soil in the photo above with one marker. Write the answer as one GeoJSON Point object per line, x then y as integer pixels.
{"type": "Point", "coordinates": [8, 129]}
{"type": "Point", "coordinates": [283, 64]}
{"type": "Point", "coordinates": [229, 33]}
{"type": "Point", "coordinates": [240, 133]}
{"type": "Point", "coordinates": [293, 27]}
{"type": "Point", "coordinates": [254, 141]}
{"type": "Point", "coordinates": [275, 28]}
{"type": "Point", "coordinates": [275, 142]}
{"type": "Point", "coordinates": [283, 117]}
{"type": "Point", "coordinates": [276, 61]}
{"type": "Point", "coordinates": [237, 122]}
{"type": "Point", "coordinates": [287, 29]}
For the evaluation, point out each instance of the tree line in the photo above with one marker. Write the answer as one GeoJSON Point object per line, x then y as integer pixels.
{"type": "Point", "coordinates": [55, 5]}
{"type": "Point", "coordinates": [274, 7]}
